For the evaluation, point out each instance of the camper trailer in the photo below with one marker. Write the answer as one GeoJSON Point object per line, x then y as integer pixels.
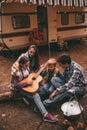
{"type": "Point", "coordinates": [23, 24]}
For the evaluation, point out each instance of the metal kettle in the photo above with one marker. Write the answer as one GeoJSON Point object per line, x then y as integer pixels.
{"type": "Point", "coordinates": [72, 110]}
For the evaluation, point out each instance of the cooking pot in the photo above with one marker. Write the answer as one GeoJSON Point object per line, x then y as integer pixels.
{"type": "Point", "coordinates": [72, 110]}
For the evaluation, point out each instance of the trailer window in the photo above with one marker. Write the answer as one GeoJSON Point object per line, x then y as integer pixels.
{"type": "Point", "coordinates": [64, 19]}
{"type": "Point", "coordinates": [20, 21]}
{"type": "Point", "coordinates": [79, 18]}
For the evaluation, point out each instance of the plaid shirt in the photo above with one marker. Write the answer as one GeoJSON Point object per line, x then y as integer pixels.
{"type": "Point", "coordinates": [74, 76]}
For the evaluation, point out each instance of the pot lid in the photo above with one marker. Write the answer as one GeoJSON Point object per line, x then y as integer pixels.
{"type": "Point", "coordinates": [71, 108]}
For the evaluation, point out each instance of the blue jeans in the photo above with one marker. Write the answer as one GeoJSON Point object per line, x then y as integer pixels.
{"type": "Point", "coordinates": [61, 96]}
{"type": "Point", "coordinates": [50, 86]}
{"type": "Point", "coordinates": [45, 89]}
{"type": "Point", "coordinates": [37, 100]}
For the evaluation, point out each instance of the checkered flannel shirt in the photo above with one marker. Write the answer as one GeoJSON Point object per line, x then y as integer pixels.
{"type": "Point", "coordinates": [74, 76]}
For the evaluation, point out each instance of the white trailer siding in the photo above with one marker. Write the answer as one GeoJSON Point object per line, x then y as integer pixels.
{"type": "Point", "coordinates": [17, 41]}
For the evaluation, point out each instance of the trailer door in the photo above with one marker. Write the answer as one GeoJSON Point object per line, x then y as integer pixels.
{"type": "Point", "coordinates": [43, 22]}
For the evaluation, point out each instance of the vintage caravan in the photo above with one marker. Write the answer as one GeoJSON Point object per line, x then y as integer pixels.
{"type": "Point", "coordinates": [22, 24]}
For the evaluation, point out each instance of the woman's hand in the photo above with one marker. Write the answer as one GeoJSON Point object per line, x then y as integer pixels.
{"type": "Point", "coordinates": [16, 66]}
{"type": "Point", "coordinates": [18, 74]}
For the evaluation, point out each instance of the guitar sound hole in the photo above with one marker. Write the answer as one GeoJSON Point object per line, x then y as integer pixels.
{"type": "Point", "coordinates": [33, 78]}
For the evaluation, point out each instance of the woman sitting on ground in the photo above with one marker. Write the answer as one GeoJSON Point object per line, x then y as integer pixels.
{"type": "Point", "coordinates": [22, 73]}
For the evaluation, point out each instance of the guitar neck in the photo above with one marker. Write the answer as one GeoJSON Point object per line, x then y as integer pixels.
{"type": "Point", "coordinates": [41, 69]}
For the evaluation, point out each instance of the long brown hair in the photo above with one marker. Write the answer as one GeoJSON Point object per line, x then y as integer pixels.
{"type": "Point", "coordinates": [36, 54]}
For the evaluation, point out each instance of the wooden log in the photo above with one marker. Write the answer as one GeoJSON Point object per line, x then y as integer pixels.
{"type": "Point", "coordinates": [5, 95]}
{"type": "Point", "coordinates": [10, 96]}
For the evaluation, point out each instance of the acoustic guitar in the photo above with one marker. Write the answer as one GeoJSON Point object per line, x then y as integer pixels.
{"type": "Point", "coordinates": [36, 78]}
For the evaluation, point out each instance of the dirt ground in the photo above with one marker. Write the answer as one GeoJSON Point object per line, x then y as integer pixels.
{"type": "Point", "coordinates": [16, 115]}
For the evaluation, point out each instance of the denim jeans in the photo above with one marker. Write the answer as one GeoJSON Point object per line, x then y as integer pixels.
{"type": "Point", "coordinates": [50, 86]}
{"type": "Point", "coordinates": [45, 89]}
{"type": "Point", "coordinates": [37, 100]}
{"type": "Point", "coordinates": [62, 95]}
